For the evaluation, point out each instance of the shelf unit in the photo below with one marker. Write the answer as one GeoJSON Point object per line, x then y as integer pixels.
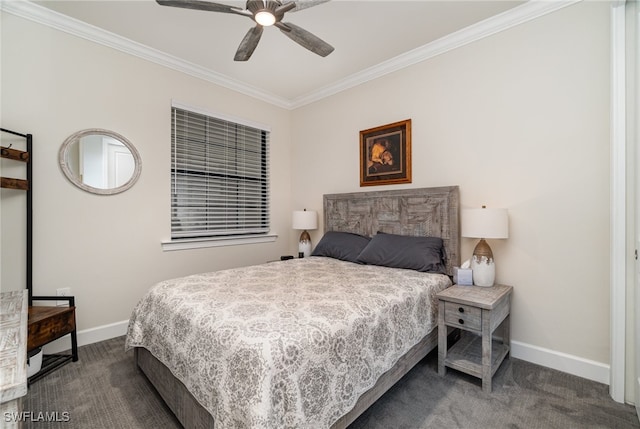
{"type": "Point", "coordinates": [466, 354]}
{"type": "Point", "coordinates": [45, 323]}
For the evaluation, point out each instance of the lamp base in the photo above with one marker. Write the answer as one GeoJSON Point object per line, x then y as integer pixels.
{"type": "Point", "coordinates": [483, 265]}
{"type": "Point", "coordinates": [304, 245]}
{"type": "Point", "coordinates": [484, 271]}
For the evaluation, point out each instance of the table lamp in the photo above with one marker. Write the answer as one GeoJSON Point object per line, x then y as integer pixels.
{"type": "Point", "coordinates": [484, 223]}
{"type": "Point", "coordinates": [305, 220]}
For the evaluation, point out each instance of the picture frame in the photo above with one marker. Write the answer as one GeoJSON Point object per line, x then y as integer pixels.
{"type": "Point", "coordinates": [385, 154]}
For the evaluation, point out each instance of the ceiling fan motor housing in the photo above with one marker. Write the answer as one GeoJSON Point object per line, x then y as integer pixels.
{"type": "Point", "coordinates": [270, 6]}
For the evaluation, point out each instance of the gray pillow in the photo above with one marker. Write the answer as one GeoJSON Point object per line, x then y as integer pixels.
{"type": "Point", "coordinates": [425, 254]}
{"type": "Point", "coordinates": [345, 246]}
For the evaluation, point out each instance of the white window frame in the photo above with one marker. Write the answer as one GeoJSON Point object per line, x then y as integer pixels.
{"type": "Point", "coordinates": [219, 240]}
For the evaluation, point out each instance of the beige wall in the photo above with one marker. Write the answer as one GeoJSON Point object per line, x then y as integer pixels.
{"type": "Point", "coordinates": [107, 248]}
{"type": "Point", "coordinates": [518, 120]}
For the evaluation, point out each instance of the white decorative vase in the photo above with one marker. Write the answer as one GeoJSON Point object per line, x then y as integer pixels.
{"type": "Point", "coordinates": [484, 271]}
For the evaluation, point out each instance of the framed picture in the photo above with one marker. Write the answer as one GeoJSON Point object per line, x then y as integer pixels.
{"type": "Point", "coordinates": [385, 154]}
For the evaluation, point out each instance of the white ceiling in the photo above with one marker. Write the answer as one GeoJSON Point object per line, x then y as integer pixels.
{"type": "Point", "coordinates": [367, 35]}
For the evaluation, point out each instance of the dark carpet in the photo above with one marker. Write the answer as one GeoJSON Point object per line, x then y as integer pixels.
{"type": "Point", "coordinates": [104, 390]}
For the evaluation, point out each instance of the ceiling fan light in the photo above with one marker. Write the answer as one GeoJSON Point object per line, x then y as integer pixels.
{"type": "Point", "coordinates": [265, 18]}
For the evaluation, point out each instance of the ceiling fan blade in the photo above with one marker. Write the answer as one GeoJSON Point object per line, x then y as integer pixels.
{"type": "Point", "coordinates": [204, 5]}
{"type": "Point", "coordinates": [305, 39]}
{"type": "Point", "coordinates": [285, 7]}
{"type": "Point", "coordinates": [303, 4]}
{"type": "Point", "coordinates": [249, 43]}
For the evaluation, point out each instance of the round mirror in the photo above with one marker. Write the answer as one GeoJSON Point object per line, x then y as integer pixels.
{"type": "Point", "coordinates": [100, 161]}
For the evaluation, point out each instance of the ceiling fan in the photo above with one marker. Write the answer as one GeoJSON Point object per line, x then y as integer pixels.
{"type": "Point", "coordinates": [265, 13]}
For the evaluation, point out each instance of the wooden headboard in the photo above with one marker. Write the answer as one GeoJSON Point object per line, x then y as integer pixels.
{"type": "Point", "coordinates": [431, 212]}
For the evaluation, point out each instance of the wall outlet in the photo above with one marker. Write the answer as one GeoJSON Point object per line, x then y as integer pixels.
{"type": "Point", "coordinates": [65, 291]}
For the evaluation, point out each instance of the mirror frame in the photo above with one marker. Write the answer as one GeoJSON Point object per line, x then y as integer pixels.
{"type": "Point", "coordinates": [75, 137]}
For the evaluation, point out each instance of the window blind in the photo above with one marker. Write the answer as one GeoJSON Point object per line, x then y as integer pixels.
{"type": "Point", "coordinates": [219, 177]}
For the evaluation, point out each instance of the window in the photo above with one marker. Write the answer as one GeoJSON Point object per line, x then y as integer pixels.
{"type": "Point", "coordinates": [219, 177]}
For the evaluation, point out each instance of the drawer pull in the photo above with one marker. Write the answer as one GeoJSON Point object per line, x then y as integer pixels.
{"type": "Point", "coordinates": [460, 321]}
{"type": "Point", "coordinates": [461, 309]}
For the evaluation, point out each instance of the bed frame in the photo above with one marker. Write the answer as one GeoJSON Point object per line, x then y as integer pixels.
{"type": "Point", "coordinates": [421, 212]}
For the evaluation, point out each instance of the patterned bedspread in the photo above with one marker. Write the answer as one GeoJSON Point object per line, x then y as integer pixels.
{"type": "Point", "coordinates": [289, 344]}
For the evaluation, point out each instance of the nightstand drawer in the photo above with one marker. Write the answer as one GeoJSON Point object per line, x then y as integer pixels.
{"type": "Point", "coordinates": [463, 316]}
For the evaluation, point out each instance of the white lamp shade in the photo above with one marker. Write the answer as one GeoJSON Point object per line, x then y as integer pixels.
{"type": "Point", "coordinates": [485, 223]}
{"type": "Point", "coordinates": [305, 219]}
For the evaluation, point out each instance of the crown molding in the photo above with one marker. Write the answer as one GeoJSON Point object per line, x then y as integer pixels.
{"type": "Point", "coordinates": [511, 18]}
{"type": "Point", "coordinates": [42, 15]}
{"type": "Point", "coordinates": [519, 15]}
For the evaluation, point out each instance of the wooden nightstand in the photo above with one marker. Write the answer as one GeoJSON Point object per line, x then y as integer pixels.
{"type": "Point", "coordinates": [478, 312]}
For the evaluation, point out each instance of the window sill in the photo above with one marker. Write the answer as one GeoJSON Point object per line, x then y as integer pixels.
{"type": "Point", "coordinates": [199, 243]}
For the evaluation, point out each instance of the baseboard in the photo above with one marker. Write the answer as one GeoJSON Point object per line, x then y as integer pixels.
{"type": "Point", "coordinates": [585, 368]}
{"type": "Point", "coordinates": [88, 336]}
{"type": "Point", "coordinates": [591, 370]}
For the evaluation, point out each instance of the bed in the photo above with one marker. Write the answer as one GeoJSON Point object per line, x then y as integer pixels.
{"type": "Point", "coordinates": [307, 342]}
